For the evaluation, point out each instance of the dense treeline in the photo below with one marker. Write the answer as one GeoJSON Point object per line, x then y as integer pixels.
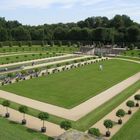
{"type": "Point", "coordinates": [118, 29]}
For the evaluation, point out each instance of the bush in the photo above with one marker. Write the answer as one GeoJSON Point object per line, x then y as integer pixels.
{"type": "Point", "coordinates": [10, 44]}
{"type": "Point", "coordinates": [78, 44]}
{"type": "Point", "coordinates": [69, 44]}
{"type": "Point", "coordinates": [30, 43]}
{"type": "Point", "coordinates": [20, 44]}
{"type": "Point", "coordinates": [51, 43]}
{"type": "Point", "coordinates": [94, 131]}
{"type": "Point", "coordinates": [130, 103]}
{"type": "Point", "coordinates": [59, 43]}
{"type": "Point", "coordinates": [42, 44]}
{"type": "Point", "coordinates": [132, 46]}
{"type": "Point", "coordinates": [1, 44]}
{"type": "Point", "coordinates": [65, 125]}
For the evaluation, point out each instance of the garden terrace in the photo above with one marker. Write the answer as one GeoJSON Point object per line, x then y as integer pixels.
{"type": "Point", "coordinates": [38, 63]}
{"type": "Point", "coordinates": [51, 67]}
{"type": "Point", "coordinates": [131, 130]}
{"type": "Point", "coordinates": [131, 53]}
{"type": "Point", "coordinates": [129, 57]}
{"type": "Point", "coordinates": [14, 131]}
{"type": "Point", "coordinates": [24, 57]}
{"type": "Point", "coordinates": [36, 48]}
{"type": "Point", "coordinates": [77, 85]}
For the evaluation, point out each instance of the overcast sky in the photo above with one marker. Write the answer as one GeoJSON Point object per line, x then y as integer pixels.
{"type": "Point", "coordinates": [36, 12]}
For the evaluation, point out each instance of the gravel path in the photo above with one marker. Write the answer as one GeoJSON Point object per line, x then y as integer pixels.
{"type": "Point", "coordinates": [16, 54]}
{"type": "Point", "coordinates": [33, 122]}
{"type": "Point", "coordinates": [113, 117]}
{"type": "Point", "coordinates": [36, 60]}
{"type": "Point", "coordinates": [78, 111]}
{"type": "Point", "coordinates": [135, 61]}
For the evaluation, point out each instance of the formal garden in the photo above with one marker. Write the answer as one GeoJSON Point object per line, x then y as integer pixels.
{"type": "Point", "coordinates": [49, 86]}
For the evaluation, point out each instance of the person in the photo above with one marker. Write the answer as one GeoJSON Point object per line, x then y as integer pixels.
{"type": "Point", "coordinates": [33, 63]}
{"type": "Point", "coordinates": [101, 67]}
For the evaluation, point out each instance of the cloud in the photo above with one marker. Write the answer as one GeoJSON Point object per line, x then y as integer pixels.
{"type": "Point", "coordinates": [11, 4]}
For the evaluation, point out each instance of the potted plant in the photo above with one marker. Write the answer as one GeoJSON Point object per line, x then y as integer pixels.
{"type": "Point", "coordinates": [24, 110]}
{"type": "Point", "coordinates": [137, 98]}
{"type": "Point", "coordinates": [43, 116]}
{"type": "Point", "coordinates": [108, 124]}
{"type": "Point", "coordinates": [130, 104]}
{"type": "Point", "coordinates": [120, 113]}
{"type": "Point", "coordinates": [6, 104]}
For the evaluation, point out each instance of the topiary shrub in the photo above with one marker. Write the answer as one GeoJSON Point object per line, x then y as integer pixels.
{"type": "Point", "coordinates": [1, 44]}
{"type": "Point", "coordinates": [130, 104]}
{"type": "Point", "coordinates": [66, 125]}
{"type": "Point", "coordinates": [30, 43]}
{"type": "Point", "coordinates": [94, 131]}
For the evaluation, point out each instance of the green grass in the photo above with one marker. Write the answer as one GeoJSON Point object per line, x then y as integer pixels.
{"type": "Point", "coordinates": [87, 121]}
{"type": "Point", "coordinates": [129, 57]}
{"type": "Point", "coordinates": [24, 57]}
{"type": "Point", "coordinates": [132, 53]}
{"type": "Point", "coordinates": [70, 88]}
{"type": "Point", "coordinates": [90, 119]}
{"type": "Point", "coordinates": [131, 130]}
{"type": "Point", "coordinates": [12, 131]}
{"type": "Point", "coordinates": [37, 48]}
{"type": "Point", "coordinates": [34, 112]}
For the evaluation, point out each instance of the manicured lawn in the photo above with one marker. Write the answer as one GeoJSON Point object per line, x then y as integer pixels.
{"type": "Point", "coordinates": [70, 88]}
{"type": "Point", "coordinates": [129, 57]}
{"type": "Point", "coordinates": [90, 119]}
{"type": "Point", "coordinates": [24, 57]}
{"type": "Point", "coordinates": [94, 116]}
{"type": "Point", "coordinates": [13, 131]}
{"type": "Point", "coordinates": [37, 48]}
{"type": "Point", "coordinates": [132, 53]}
{"type": "Point", "coordinates": [131, 130]}
{"type": "Point", "coordinates": [34, 112]}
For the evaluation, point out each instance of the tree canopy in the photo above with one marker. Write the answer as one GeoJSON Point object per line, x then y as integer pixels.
{"type": "Point", "coordinates": [118, 29]}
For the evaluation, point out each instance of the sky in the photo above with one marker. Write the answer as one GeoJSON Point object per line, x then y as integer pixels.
{"type": "Point", "coordinates": [38, 12]}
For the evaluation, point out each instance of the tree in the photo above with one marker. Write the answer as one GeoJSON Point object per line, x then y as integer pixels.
{"type": "Point", "coordinates": [36, 70]}
{"type": "Point", "coordinates": [21, 34]}
{"type": "Point", "coordinates": [3, 34]}
{"type": "Point", "coordinates": [117, 22]}
{"type": "Point", "coordinates": [10, 75]}
{"type": "Point", "coordinates": [100, 34]}
{"type": "Point", "coordinates": [108, 124]}
{"type": "Point", "coordinates": [137, 98]}
{"type": "Point", "coordinates": [23, 72]}
{"type": "Point", "coordinates": [30, 43]}
{"type": "Point", "coordinates": [94, 131]}
{"type": "Point", "coordinates": [59, 43]}
{"type": "Point", "coordinates": [131, 46]}
{"type": "Point", "coordinates": [60, 33]}
{"type": "Point", "coordinates": [20, 44]}
{"type": "Point", "coordinates": [69, 44]}
{"type": "Point", "coordinates": [1, 44]}
{"type": "Point", "coordinates": [65, 125]}
{"type": "Point", "coordinates": [130, 104]}
{"type": "Point", "coordinates": [74, 33]}
{"type": "Point", "coordinates": [6, 104]}
{"type": "Point", "coordinates": [10, 44]}
{"type": "Point", "coordinates": [43, 116]}
{"type": "Point", "coordinates": [24, 110]}
{"type": "Point", "coordinates": [42, 44]}
{"type": "Point", "coordinates": [120, 113]}
{"type": "Point", "coordinates": [51, 43]}
{"type": "Point", "coordinates": [133, 33]}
